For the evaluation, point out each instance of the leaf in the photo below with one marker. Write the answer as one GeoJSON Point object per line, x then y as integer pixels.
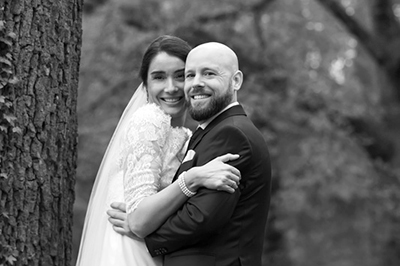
{"type": "Point", "coordinates": [12, 35]}
{"type": "Point", "coordinates": [13, 81]}
{"type": "Point", "coordinates": [6, 70]}
{"type": "Point", "coordinates": [5, 176]}
{"type": "Point", "coordinates": [3, 128]}
{"type": "Point", "coordinates": [5, 61]}
{"type": "Point", "coordinates": [2, 99]}
{"type": "Point", "coordinates": [11, 260]}
{"type": "Point", "coordinates": [17, 130]}
{"type": "Point", "coordinates": [2, 25]}
{"type": "Point", "coordinates": [7, 42]}
{"type": "Point", "coordinates": [10, 118]}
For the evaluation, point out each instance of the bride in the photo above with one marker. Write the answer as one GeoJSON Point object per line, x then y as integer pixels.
{"type": "Point", "coordinates": [138, 166]}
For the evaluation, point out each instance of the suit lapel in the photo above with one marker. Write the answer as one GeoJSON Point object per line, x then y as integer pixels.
{"type": "Point", "coordinates": [233, 111]}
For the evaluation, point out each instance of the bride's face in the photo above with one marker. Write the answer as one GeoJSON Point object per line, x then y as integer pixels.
{"type": "Point", "coordinates": [165, 82]}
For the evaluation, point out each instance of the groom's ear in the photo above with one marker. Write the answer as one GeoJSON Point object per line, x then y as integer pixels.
{"type": "Point", "coordinates": [237, 80]}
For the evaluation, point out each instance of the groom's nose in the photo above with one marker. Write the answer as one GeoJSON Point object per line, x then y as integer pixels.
{"type": "Point", "coordinates": [197, 81]}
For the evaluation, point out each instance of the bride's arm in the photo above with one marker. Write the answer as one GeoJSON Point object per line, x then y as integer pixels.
{"type": "Point", "coordinates": [142, 163]}
{"type": "Point", "coordinates": [155, 209]}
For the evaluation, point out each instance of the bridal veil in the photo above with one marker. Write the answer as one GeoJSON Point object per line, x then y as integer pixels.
{"type": "Point", "coordinates": [93, 237]}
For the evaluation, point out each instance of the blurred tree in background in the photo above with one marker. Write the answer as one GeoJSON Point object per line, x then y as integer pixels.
{"type": "Point", "coordinates": [321, 83]}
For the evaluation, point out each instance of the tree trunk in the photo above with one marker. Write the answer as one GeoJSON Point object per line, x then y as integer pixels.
{"type": "Point", "coordinates": [39, 46]}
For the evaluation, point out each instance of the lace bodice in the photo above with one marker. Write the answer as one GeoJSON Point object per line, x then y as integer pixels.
{"type": "Point", "coordinates": [151, 152]}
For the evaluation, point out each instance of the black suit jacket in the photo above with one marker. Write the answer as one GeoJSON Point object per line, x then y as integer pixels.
{"type": "Point", "coordinates": [214, 227]}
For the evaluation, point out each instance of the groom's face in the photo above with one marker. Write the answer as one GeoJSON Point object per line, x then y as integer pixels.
{"type": "Point", "coordinates": [208, 86]}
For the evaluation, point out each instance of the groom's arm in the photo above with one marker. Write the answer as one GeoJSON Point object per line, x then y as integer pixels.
{"type": "Point", "coordinates": [208, 211]}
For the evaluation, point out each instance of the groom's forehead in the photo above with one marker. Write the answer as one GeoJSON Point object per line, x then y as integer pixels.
{"type": "Point", "coordinates": [200, 61]}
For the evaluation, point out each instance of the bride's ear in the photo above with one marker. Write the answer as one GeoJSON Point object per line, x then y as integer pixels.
{"type": "Point", "coordinates": [147, 92]}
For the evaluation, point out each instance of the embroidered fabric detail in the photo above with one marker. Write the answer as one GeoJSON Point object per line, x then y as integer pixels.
{"type": "Point", "coordinates": [174, 150]}
{"type": "Point", "coordinates": [150, 154]}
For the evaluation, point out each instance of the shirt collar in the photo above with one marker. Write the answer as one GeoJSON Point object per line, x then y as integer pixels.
{"type": "Point", "coordinates": [208, 121]}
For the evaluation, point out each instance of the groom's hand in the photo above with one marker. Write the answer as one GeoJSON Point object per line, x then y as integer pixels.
{"type": "Point", "coordinates": [119, 219]}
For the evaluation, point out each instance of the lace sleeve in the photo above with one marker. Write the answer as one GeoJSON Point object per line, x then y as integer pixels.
{"type": "Point", "coordinates": [141, 158]}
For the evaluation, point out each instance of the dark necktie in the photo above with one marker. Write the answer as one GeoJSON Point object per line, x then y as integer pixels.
{"type": "Point", "coordinates": [195, 135]}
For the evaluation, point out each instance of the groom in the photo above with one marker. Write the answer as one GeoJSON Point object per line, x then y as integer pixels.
{"type": "Point", "coordinates": [214, 227]}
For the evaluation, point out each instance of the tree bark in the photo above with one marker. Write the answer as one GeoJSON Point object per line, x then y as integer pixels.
{"type": "Point", "coordinates": [38, 161]}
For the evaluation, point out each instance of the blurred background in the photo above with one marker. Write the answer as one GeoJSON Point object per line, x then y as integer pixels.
{"type": "Point", "coordinates": [322, 83]}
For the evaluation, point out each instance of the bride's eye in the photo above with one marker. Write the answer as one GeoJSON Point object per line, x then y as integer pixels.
{"type": "Point", "coordinates": [158, 77]}
{"type": "Point", "coordinates": [180, 76]}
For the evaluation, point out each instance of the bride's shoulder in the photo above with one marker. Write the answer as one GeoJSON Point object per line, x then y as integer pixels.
{"type": "Point", "coordinates": [150, 113]}
{"type": "Point", "coordinates": [150, 109]}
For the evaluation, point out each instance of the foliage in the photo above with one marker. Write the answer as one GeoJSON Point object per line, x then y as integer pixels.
{"type": "Point", "coordinates": [8, 253]}
{"type": "Point", "coordinates": [7, 119]}
{"type": "Point", "coordinates": [7, 80]}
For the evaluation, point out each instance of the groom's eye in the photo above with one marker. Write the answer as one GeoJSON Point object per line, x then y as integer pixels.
{"type": "Point", "coordinates": [189, 75]}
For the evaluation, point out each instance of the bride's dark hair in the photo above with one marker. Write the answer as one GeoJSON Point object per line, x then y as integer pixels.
{"type": "Point", "coordinates": [171, 45]}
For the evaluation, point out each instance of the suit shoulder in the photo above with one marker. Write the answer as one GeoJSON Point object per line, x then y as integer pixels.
{"type": "Point", "coordinates": [239, 125]}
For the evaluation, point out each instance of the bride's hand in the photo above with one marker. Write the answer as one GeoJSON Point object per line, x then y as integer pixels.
{"type": "Point", "coordinates": [119, 219]}
{"type": "Point", "coordinates": [216, 174]}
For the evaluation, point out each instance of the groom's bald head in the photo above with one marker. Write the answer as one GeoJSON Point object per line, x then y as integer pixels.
{"type": "Point", "coordinates": [212, 79]}
{"type": "Point", "coordinates": [217, 53]}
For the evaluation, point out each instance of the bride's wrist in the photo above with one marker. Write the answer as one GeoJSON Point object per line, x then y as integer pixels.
{"type": "Point", "coordinates": [191, 180]}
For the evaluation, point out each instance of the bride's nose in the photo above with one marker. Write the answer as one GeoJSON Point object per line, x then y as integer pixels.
{"type": "Point", "coordinates": [170, 86]}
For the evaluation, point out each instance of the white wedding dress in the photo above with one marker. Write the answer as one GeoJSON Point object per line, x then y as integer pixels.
{"type": "Point", "coordinates": [149, 152]}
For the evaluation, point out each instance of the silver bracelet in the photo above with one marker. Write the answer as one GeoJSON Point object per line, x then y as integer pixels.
{"type": "Point", "coordinates": [183, 187]}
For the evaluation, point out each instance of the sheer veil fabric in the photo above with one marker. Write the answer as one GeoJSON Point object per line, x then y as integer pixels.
{"type": "Point", "coordinates": [99, 245]}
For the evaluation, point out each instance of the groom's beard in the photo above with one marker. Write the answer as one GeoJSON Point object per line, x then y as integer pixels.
{"type": "Point", "coordinates": [215, 105]}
